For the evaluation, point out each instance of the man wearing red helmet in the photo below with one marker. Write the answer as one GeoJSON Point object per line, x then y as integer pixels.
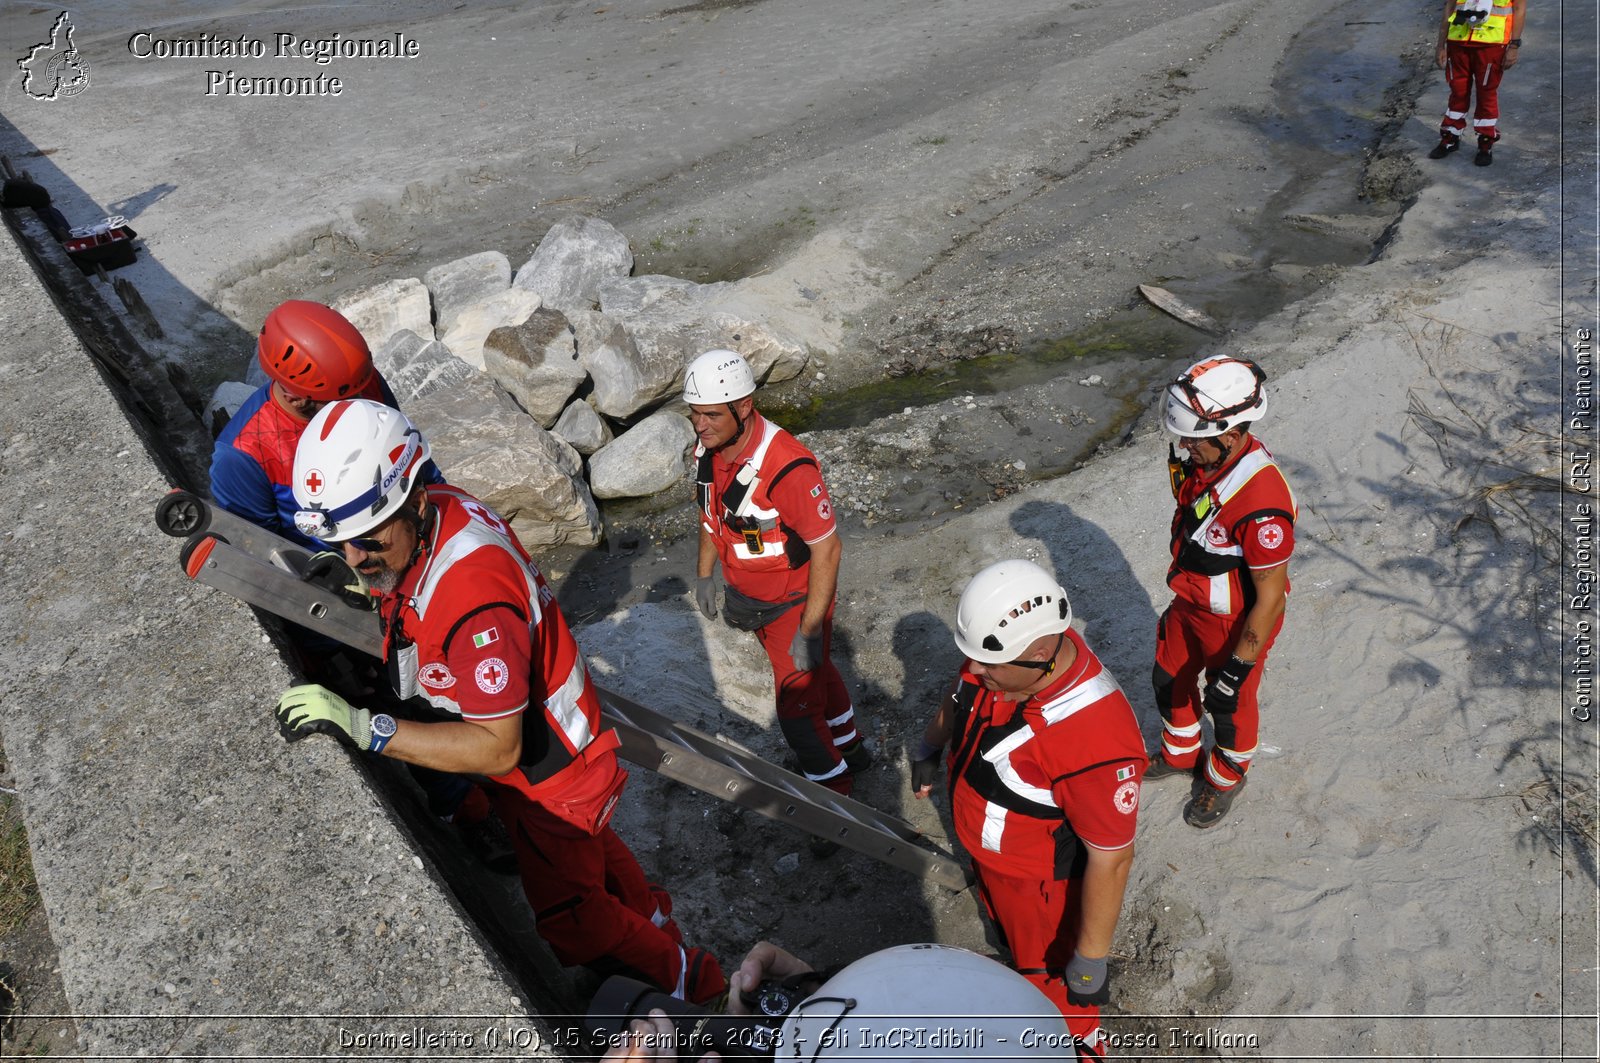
{"type": "Point", "coordinates": [1232, 535]}
{"type": "Point", "coordinates": [313, 356]}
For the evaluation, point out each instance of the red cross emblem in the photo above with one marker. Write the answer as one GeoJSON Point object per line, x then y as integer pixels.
{"type": "Point", "coordinates": [1270, 536]}
{"type": "Point", "coordinates": [491, 675]}
{"type": "Point", "coordinates": [438, 676]}
{"type": "Point", "coordinates": [314, 482]}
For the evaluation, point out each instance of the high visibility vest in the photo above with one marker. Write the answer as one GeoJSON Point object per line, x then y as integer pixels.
{"type": "Point", "coordinates": [1495, 29]}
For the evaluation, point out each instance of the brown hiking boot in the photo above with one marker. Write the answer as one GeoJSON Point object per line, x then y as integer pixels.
{"type": "Point", "coordinates": [1160, 769]}
{"type": "Point", "coordinates": [1211, 805]}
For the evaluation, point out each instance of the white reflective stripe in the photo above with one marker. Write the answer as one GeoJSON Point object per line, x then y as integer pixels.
{"type": "Point", "coordinates": [1481, 122]}
{"type": "Point", "coordinates": [1177, 750]}
{"type": "Point", "coordinates": [994, 826]}
{"type": "Point", "coordinates": [564, 707]}
{"type": "Point", "coordinates": [773, 552]}
{"type": "Point", "coordinates": [1021, 787]}
{"type": "Point", "coordinates": [658, 917]}
{"type": "Point", "coordinates": [683, 972]}
{"type": "Point", "coordinates": [1220, 599]}
{"type": "Point", "coordinates": [1216, 780]}
{"type": "Point", "coordinates": [1236, 756]}
{"type": "Point", "coordinates": [837, 769]}
{"type": "Point", "coordinates": [847, 739]}
{"type": "Point", "coordinates": [1455, 114]}
{"type": "Point", "coordinates": [844, 717]}
{"type": "Point", "coordinates": [1079, 696]}
{"type": "Point", "coordinates": [747, 505]}
{"type": "Point", "coordinates": [1182, 732]}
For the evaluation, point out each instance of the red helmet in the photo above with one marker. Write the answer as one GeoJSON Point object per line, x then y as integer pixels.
{"type": "Point", "coordinates": [314, 352]}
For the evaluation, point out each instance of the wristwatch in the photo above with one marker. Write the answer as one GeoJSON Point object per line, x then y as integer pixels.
{"type": "Point", "coordinates": [383, 729]}
{"type": "Point", "coordinates": [1515, 42]}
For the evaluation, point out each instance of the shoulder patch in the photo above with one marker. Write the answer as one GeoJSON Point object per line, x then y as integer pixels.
{"type": "Point", "coordinates": [492, 675]}
{"type": "Point", "coordinates": [1126, 798]}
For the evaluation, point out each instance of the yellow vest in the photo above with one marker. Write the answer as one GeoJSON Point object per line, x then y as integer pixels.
{"type": "Point", "coordinates": [1493, 30]}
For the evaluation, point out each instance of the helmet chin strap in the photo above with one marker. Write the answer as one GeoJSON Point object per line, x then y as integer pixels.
{"type": "Point", "coordinates": [421, 526]}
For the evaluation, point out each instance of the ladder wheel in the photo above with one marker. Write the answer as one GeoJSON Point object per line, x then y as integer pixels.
{"type": "Point", "coordinates": [181, 514]}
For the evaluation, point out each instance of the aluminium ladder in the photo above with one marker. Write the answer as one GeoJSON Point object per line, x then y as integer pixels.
{"type": "Point", "coordinates": [229, 554]}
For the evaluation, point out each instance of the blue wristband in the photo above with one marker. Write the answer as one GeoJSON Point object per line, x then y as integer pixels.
{"type": "Point", "coordinates": [383, 729]}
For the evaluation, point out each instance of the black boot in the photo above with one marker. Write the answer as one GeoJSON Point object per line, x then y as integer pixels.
{"type": "Point", "coordinates": [1485, 154]}
{"type": "Point", "coordinates": [1448, 142]}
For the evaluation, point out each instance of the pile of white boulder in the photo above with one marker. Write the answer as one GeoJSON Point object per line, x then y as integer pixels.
{"type": "Point", "coordinates": [544, 389]}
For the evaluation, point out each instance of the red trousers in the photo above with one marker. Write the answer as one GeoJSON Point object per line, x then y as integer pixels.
{"type": "Point", "coordinates": [1038, 921]}
{"type": "Point", "coordinates": [1469, 69]}
{"type": "Point", "coordinates": [815, 712]}
{"type": "Point", "coordinates": [592, 901]}
{"type": "Point", "coordinates": [1191, 640]}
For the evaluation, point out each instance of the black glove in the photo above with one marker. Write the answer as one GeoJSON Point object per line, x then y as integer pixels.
{"type": "Point", "coordinates": [925, 767]}
{"type": "Point", "coordinates": [1088, 984]}
{"type": "Point", "coordinates": [332, 572]}
{"type": "Point", "coordinates": [1222, 693]}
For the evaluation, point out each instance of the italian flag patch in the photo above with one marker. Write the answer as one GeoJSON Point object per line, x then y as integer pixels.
{"type": "Point", "coordinates": [489, 637]}
{"type": "Point", "coordinates": [1124, 774]}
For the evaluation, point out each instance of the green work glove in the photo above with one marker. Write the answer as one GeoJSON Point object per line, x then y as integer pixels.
{"type": "Point", "coordinates": [330, 571]}
{"type": "Point", "coordinates": [314, 709]}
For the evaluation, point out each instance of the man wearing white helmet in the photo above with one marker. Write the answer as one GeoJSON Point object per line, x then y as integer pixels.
{"type": "Point", "coordinates": [1045, 762]}
{"type": "Point", "coordinates": [766, 515]}
{"type": "Point", "coordinates": [1232, 536]}
{"type": "Point", "coordinates": [471, 626]}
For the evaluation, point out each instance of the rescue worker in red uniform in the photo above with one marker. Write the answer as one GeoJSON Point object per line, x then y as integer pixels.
{"type": "Point", "coordinates": [471, 626]}
{"type": "Point", "coordinates": [1478, 41]}
{"type": "Point", "coordinates": [765, 514]}
{"type": "Point", "coordinates": [1045, 764]}
{"type": "Point", "coordinates": [1232, 535]}
{"type": "Point", "coordinates": [313, 355]}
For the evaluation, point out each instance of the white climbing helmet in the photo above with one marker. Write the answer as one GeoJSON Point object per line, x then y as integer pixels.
{"type": "Point", "coordinates": [355, 466]}
{"type": "Point", "coordinates": [1005, 608]}
{"type": "Point", "coordinates": [718, 376]}
{"type": "Point", "coordinates": [930, 1003]}
{"type": "Point", "coordinates": [1215, 395]}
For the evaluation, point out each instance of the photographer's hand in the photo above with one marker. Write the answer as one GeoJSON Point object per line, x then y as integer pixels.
{"type": "Point", "coordinates": [765, 962]}
{"type": "Point", "coordinates": [651, 1041]}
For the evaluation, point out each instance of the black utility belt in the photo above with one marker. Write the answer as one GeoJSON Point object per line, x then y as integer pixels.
{"type": "Point", "coordinates": [750, 614]}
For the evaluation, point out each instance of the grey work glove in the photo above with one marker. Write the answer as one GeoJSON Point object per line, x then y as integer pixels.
{"type": "Point", "coordinates": [314, 709]}
{"type": "Point", "coordinates": [332, 572]}
{"type": "Point", "coordinates": [925, 767]}
{"type": "Point", "coordinates": [805, 651]}
{"type": "Point", "coordinates": [1087, 982]}
{"type": "Point", "coordinates": [705, 595]}
{"type": "Point", "coordinates": [1222, 693]}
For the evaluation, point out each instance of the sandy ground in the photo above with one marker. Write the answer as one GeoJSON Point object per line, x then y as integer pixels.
{"type": "Point", "coordinates": [1412, 870]}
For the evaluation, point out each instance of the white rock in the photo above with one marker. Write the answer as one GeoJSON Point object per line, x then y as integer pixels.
{"type": "Point", "coordinates": [626, 379]}
{"type": "Point", "coordinates": [474, 323]}
{"type": "Point", "coordinates": [415, 366]}
{"type": "Point", "coordinates": [457, 285]}
{"type": "Point", "coordinates": [671, 319]}
{"type": "Point", "coordinates": [487, 446]}
{"type": "Point", "coordinates": [537, 362]}
{"type": "Point", "coordinates": [572, 260]}
{"type": "Point", "coordinates": [580, 426]}
{"type": "Point", "coordinates": [647, 458]}
{"type": "Point", "coordinates": [382, 310]}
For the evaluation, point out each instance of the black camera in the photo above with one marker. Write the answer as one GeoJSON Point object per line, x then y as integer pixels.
{"type": "Point", "coordinates": [696, 1031]}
